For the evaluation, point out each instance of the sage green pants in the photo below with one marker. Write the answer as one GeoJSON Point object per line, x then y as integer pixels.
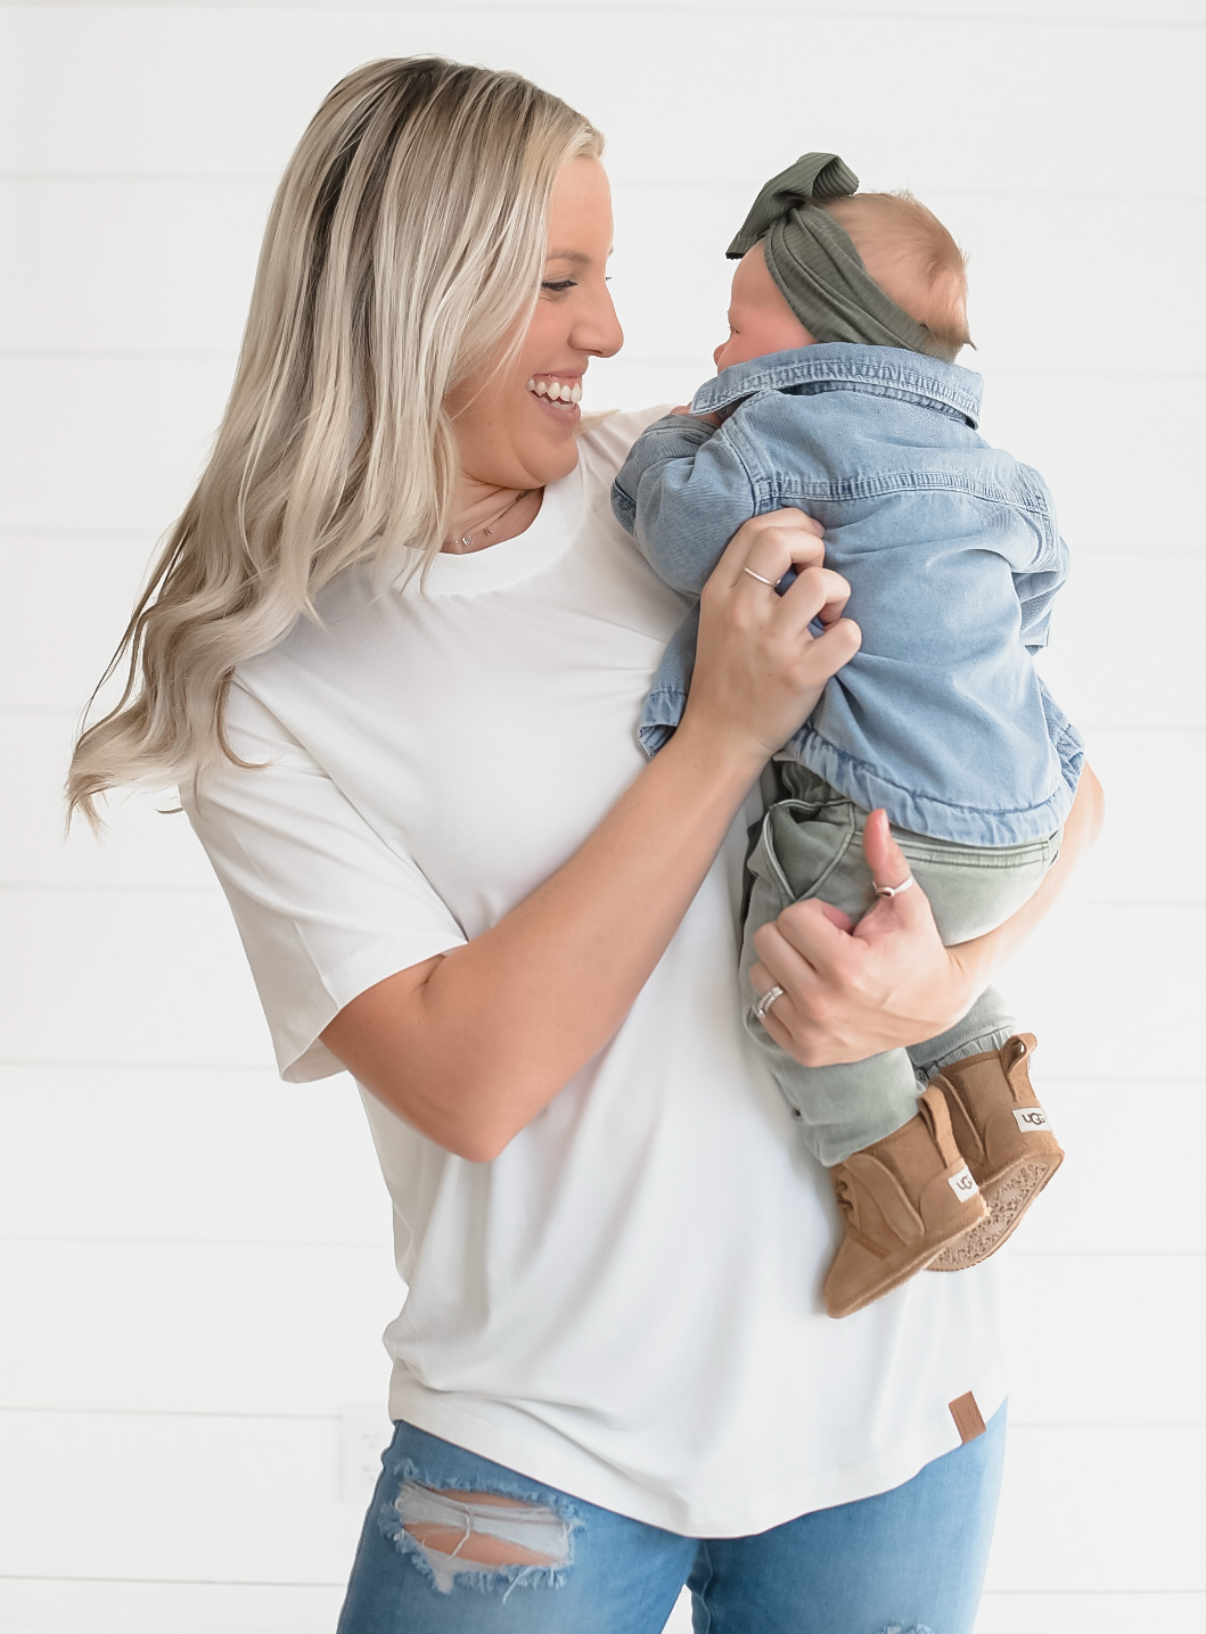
{"type": "Point", "coordinates": [810, 845]}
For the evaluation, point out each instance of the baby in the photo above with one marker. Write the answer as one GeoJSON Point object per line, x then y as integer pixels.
{"type": "Point", "coordinates": [838, 394]}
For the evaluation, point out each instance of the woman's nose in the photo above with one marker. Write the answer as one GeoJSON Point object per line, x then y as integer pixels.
{"type": "Point", "coordinates": [719, 353]}
{"type": "Point", "coordinates": [599, 332]}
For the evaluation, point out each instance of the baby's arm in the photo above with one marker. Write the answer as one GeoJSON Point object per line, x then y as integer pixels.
{"type": "Point", "coordinates": [682, 493]}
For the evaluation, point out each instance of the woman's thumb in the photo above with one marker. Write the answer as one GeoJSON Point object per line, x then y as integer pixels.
{"type": "Point", "coordinates": [884, 857]}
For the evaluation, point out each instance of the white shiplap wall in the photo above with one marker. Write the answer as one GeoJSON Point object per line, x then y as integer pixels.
{"type": "Point", "coordinates": [194, 1260]}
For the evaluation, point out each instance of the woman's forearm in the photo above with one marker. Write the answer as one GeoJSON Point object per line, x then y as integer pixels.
{"type": "Point", "coordinates": [507, 1020]}
{"type": "Point", "coordinates": [980, 958]}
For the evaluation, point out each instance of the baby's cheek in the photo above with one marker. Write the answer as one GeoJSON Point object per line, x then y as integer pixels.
{"type": "Point", "coordinates": [733, 351]}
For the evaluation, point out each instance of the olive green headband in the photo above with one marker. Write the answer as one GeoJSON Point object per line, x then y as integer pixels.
{"type": "Point", "coordinates": [815, 264]}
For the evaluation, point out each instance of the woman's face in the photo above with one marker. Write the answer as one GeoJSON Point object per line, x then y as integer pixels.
{"type": "Point", "coordinates": [515, 426]}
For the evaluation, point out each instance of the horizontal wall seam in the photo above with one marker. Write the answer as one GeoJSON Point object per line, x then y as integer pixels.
{"type": "Point", "coordinates": [629, 184]}
{"type": "Point", "coordinates": [618, 8]}
{"type": "Point", "coordinates": [1096, 1427]}
{"type": "Point", "coordinates": [271, 1244]}
{"type": "Point", "coordinates": [18, 534]}
{"type": "Point", "coordinates": [1001, 371]}
{"type": "Point", "coordinates": [134, 888]}
{"type": "Point", "coordinates": [89, 1063]}
{"type": "Point", "coordinates": [172, 1582]}
{"type": "Point", "coordinates": [19, 1239]}
{"type": "Point", "coordinates": [167, 1412]}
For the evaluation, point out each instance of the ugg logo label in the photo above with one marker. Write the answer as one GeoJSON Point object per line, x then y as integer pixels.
{"type": "Point", "coordinates": [962, 1183]}
{"type": "Point", "coordinates": [1030, 1118]}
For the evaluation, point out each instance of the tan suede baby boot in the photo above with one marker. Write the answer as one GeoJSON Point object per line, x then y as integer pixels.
{"type": "Point", "coordinates": [904, 1199]}
{"type": "Point", "coordinates": [1003, 1133]}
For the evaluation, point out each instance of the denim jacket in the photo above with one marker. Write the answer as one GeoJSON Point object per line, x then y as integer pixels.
{"type": "Point", "coordinates": [953, 559]}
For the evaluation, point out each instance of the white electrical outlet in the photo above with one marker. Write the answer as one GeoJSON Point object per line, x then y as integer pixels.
{"type": "Point", "coordinates": [364, 1434]}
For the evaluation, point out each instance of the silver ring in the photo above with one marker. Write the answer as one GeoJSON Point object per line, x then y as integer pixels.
{"type": "Point", "coordinates": [758, 1010]}
{"type": "Point", "coordinates": [896, 890]}
{"type": "Point", "coordinates": [761, 580]}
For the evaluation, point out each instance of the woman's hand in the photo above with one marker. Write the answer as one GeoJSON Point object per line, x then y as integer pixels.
{"type": "Point", "coordinates": [759, 671]}
{"type": "Point", "coordinates": [850, 991]}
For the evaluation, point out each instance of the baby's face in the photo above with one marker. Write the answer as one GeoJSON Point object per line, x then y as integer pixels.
{"type": "Point", "coordinates": [760, 320]}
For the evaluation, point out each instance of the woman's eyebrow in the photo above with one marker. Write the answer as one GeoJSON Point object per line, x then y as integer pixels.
{"type": "Point", "coordinates": [568, 255]}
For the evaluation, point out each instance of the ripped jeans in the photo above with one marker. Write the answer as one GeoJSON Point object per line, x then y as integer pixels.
{"type": "Point", "coordinates": [454, 1542]}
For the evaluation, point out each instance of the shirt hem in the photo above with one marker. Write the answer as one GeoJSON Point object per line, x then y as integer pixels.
{"type": "Point", "coordinates": [546, 1457]}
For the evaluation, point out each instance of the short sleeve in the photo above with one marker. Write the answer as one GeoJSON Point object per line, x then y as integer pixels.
{"type": "Point", "coordinates": [325, 908]}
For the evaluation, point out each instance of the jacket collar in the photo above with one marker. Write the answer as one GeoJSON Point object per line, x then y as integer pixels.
{"type": "Point", "coordinates": [881, 370]}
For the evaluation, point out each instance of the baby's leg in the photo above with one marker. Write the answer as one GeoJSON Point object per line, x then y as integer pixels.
{"type": "Point", "coordinates": [988, 1025]}
{"type": "Point", "coordinates": [904, 1193]}
{"type": "Point", "coordinates": [902, 1175]}
{"type": "Point", "coordinates": [813, 847]}
{"type": "Point", "coordinates": [981, 1066]}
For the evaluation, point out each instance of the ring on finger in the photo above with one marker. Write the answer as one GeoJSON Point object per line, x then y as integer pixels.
{"type": "Point", "coordinates": [896, 890]}
{"type": "Point", "coordinates": [762, 1005]}
{"type": "Point", "coordinates": [760, 578]}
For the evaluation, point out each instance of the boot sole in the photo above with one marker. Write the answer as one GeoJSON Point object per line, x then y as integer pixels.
{"type": "Point", "coordinates": [1008, 1196]}
{"type": "Point", "coordinates": [922, 1261]}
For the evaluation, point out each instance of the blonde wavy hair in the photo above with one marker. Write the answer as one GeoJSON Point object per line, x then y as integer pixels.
{"type": "Point", "coordinates": [404, 250]}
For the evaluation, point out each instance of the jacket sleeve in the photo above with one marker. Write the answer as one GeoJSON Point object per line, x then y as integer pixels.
{"type": "Point", "coordinates": [1036, 592]}
{"type": "Point", "coordinates": [1037, 583]}
{"type": "Point", "coordinates": [682, 493]}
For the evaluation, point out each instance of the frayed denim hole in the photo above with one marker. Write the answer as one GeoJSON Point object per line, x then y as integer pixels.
{"type": "Point", "coordinates": [907, 1628]}
{"type": "Point", "coordinates": [445, 1571]}
{"type": "Point", "coordinates": [504, 1485]}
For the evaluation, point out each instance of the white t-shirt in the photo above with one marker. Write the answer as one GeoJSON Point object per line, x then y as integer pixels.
{"type": "Point", "coordinates": [625, 1303]}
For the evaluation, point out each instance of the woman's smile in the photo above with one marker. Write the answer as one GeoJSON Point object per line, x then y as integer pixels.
{"type": "Point", "coordinates": [562, 392]}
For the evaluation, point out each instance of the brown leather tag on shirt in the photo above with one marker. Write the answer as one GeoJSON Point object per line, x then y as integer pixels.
{"type": "Point", "coordinates": [969, 1421]}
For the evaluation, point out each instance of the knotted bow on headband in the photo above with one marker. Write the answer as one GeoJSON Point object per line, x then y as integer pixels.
{"type": "Point", "coordinates": [815, 264]}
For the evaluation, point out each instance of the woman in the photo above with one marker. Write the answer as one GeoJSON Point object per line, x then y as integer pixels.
{"type": "Point", "coordinates": [454, 874]}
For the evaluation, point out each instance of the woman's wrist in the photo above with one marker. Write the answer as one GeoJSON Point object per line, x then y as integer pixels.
{"type": "Point", "coordinates": [733, 758]}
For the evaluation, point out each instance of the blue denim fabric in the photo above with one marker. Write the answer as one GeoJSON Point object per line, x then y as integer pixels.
{"type": "Point", "coordinates": [953, 558]}
{"type": "Point", "coordinates": [908, 1561]}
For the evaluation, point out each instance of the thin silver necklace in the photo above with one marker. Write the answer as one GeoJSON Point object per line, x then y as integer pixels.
{"type": "Point", "coordinates": [486, 529]}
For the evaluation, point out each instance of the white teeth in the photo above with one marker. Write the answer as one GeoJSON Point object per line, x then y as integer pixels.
{"type": "Point", "coordinates": [558, 391]}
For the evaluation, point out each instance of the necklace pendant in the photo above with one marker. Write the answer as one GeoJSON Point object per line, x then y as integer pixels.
{"type": "Point", "coordinates": [465, 541]}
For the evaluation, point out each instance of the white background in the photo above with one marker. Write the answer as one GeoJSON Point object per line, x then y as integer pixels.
{"type": "Point", "coordinates": [194, 1260]}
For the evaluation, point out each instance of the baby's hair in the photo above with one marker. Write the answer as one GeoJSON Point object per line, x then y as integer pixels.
{"type": "Point", "coordinates": [912, 257]}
